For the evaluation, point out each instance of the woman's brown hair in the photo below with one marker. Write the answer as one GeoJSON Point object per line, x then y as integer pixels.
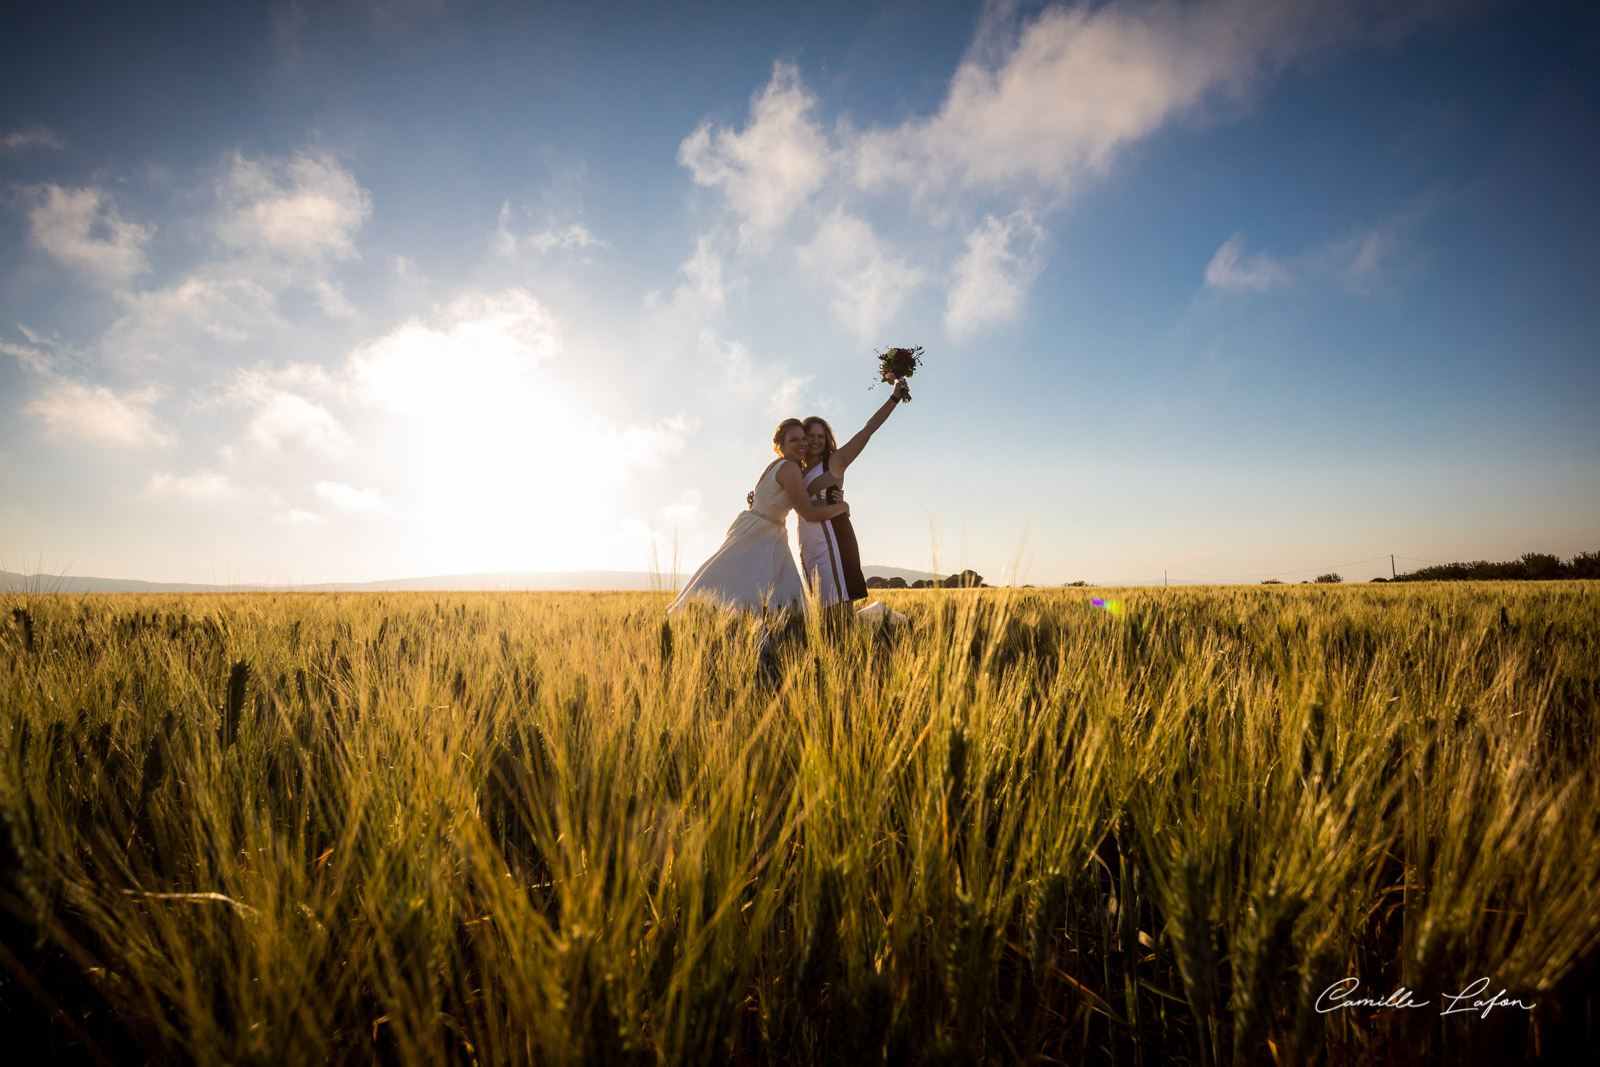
{"type": "Point", "coordinates": [832, 444]}
{"type": "Point", "coordinates": [784, 427]}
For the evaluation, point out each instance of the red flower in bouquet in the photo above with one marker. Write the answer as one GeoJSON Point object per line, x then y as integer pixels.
{"type": "Point", "coordinates": [898, 364]}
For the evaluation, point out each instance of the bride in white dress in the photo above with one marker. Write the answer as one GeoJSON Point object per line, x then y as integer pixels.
{"type": "Point", "coordinates": [754, 569]}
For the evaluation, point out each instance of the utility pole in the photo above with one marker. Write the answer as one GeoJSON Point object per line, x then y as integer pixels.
{"type": "Point", "coordinates": [1163, 578]}
{"type": "Point", "coordinates": [1391, 567]}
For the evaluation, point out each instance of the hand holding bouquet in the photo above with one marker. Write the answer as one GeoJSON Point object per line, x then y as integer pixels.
{"type": "Point", "coordinates": [895, 365]}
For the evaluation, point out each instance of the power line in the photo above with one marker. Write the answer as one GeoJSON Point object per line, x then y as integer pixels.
{"type": "Point", "coordinates": [1163, 574]}
{"type": "Point", "coordinates": [1131, 581]}
{"type": "Point", "coordinates": [1274, 574]}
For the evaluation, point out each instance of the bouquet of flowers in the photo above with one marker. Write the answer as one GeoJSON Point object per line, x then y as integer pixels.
{"type": "Point", "coordinates": [897, 364]}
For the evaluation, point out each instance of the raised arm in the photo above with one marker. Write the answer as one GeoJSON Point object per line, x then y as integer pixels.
{"type": "Point", "coordinates": [848, 451]}
{"type": "Point", "coordinates": [789, 478]}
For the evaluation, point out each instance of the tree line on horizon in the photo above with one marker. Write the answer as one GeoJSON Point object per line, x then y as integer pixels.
{"type": "Point", "coordinates": [1529, 567]}
{"type": "Point", "coordinates": [967, 579]}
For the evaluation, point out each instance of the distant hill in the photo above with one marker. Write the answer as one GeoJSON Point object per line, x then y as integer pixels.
{"type": "Point", "coordinates": [875, 570]}
{"type": "Point", "coordinates": [551, 581]}
{"type": "Point", "coordinates": [539, 581]}
{"type": "Point", "coordinates": [51, 583]}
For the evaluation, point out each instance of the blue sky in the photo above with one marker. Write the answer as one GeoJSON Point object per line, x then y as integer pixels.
{"type": "Point", "coordinates": [295, 293]}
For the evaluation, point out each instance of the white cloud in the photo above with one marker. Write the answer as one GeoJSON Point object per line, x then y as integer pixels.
{"type": "Point", "coordinates": [1046, 103]}
{"type": "Point", "coordinates": [1368, 251]}
{"type": "Point", "coordinates": [32, 357]}
{"type": "Point", "coordinates": [97, 415]}
{"type": "Point", "coordinates": [31, 136]}
{"type": "Point", "coordinates": [786, 398]}
{"type": "Point", "coordinates": [730, 356]}
{"type": "Point", "coordinates": [331, 299]}
{"type": "Point", "coordinates": [703, 270]}
{"type": "Point", "coordinates": [505, 242]}
{"type": "Point", "coordinates": [991, 279]}
{"type": "Point", "coordinates": [282, 415]}
{"type": "Point", "coordinates": [289, 419]}
{"type": "Point", "coordinates": [189, 319]}
{"type": "Point", "coordinates": [868, 286]}
{"type": "Point", "coordinates": [684, 509]}
{"type": "Point", "coordinates": [1230, 270]}
{"type": "Point", "coordinates": [689, 327]}
{"type": "Point", "coordinates": [1046, 100]}
{"type": "Point", "coordinates": [297, 518]}
{"type": "Point", "coordinates": [574, 235]}
{"type": "Point", "coordinates": [284, 225]}
{"type": "Point", "coordinates": [307, 207]}
{"type": "Point", "coordinates": [202, 485]}
{"type": "Point", "coordinates": [72, 409]}
{"type": "Point", "coordinates": [1360, 259]}
{"type": "Point", "coordinates": [694, 303]}
{"type": "Point", "coordinates": [82, 229]}
{"type": "Point", "coordinates": [348, 498]}
{"type": "Point", "coordinates": [1380, 252]}
{"type": "Point", "coordinates": [767, 171]}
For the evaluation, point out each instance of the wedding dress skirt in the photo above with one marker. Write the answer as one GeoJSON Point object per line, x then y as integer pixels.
{"type": "Point", "coordinates": [754, 569]}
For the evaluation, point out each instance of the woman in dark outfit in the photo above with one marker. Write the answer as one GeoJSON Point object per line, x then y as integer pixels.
{"type": "Point", "coordinates": [830, 559]}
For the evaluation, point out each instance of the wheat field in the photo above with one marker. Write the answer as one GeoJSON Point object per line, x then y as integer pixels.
{"type": "Point", "coordinates": [549, 828]}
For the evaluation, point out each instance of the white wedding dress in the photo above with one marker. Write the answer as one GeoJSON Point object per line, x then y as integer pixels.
{"type": "Point", "coordinates": [754, 569]}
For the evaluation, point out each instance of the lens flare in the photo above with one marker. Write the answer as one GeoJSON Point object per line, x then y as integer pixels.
{"type": "Point", "coordinates": [1112, 607]}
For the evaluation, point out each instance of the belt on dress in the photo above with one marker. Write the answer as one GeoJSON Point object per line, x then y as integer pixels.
{"type": "Point", "coordinates": [769, 518]}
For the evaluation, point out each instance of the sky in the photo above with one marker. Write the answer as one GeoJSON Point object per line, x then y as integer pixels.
{"type": "Point", "coordinates": [1214, 291]}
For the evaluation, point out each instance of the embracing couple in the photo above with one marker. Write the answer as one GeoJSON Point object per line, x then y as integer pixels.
{"type": "Point", "coordinates": [754, 570]}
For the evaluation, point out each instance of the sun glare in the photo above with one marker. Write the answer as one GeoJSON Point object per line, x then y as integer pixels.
{"type": "Point", "coordinates": [499, 466]}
